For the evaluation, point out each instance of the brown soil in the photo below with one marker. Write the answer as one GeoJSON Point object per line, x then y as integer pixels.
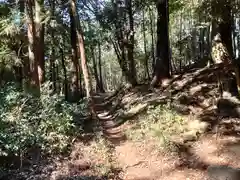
{"type": "Point", "coordinates": [144, 161]}
{"type": "Point", "coordinates": [140, 161]}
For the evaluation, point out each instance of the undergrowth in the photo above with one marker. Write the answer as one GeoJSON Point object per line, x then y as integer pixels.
{"type": "Point", "coordinates": [99, 152]}
{"type": "Point", "coordinates": [162, 124]}
{"type": "Point", "coordinates": [102, 150]}
{"type": "Point", "coordinates": [27, 121]}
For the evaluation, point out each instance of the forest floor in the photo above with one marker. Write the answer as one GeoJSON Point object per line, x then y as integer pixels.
{"type": "Point", "coordinates": [176, 132]}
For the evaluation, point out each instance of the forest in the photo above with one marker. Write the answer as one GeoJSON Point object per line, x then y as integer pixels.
{"type": "Point", "coordinates": [119, 89]}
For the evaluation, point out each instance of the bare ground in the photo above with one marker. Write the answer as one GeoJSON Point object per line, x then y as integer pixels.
{"type": "Point", "coordinates": [144, 161]}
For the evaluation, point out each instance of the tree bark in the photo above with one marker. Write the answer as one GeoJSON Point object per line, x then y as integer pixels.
{"type": "Point", "coordinates": [20, 51]}
{"type": "Point", "coordinates": [32, 52]}
{"type": "Point", "coordinates": [95, 69]}
{"type": "Point", "coordinates": [40, 29]}
{"type": "Point", "coordinates": [132, 66]}
{"type": "Point", "coordinates": [162, 65]}
{"type": "Point", "coordinates": [222, 24]}
{"type": "Point", "coordinates": [201, 43]}
{"type": "Point", "coordinates": [124, 44]}
{"type": "Point", "coordinates": [119, 47]}
{"type": "Point", "coordinates": [152, 39]}
{"type": "Point", "coordinates": [53, 78]}
{"type": "Point", "coordinates": [53, 57]}
{"type": "Point", "coordinates": [18, 68]}
{"type": "Point", "coordinates": [25, 60]}
{"type": "Point", "coordinates": [100, 67]}
{"type": "Point", "coordinates": [65, 82]}
{"type": "Point", "coordinates": [225, 28]}
{"type": "Point", "coordinates": [80, 41]}
{"type": "Point", "coordinates": [145, 45]}
{"type": "Point", "coordinates": [180, 40]}
{"type": "Point", "coordinates": [75, 79]}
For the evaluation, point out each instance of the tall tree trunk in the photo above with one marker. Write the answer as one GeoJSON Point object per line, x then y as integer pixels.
{"type": "Point", "coordinates": [119, 46]}
{"type": "Point", "coordinates": [53, 78]}
{"type": "Point", "coordinates": [180, 40]}
{"type": "Point", "coordinates": [20, 52]}
{"type": "Point", "coordinates": [40, 29]}
{"type": "Point", "coordinates": [95, 69]}
{"type": "Point", "coordinates": [162, 65]}
{"type": "Point", "coordinates": [100, 67]}
{"type": "Point", "coordinates": [80, 41]}
{"type": "Point", "coordinates": [32, 47]}
{"type": "Point", "coordinates": [208, 43]}
{"type": "Point", "coordinates": [100, 51]}
{"type": "Point", "coordinates": [124, 44]}
{"type": "Point", "coordinates": [26, 60]}
{"type": "Point", "coordinates": [53, 57]}
{"type": "Point", "coordinates": [201, 43]}
{"type": "Point", "coordinates": [75, 79]}
{"type": "Point", "coordinates": [145, 45]}
{"type": "Point", "coordinates": [222, 22]}
{"type": "Point", "coordinates": [223, 25]}
{"type": "Point", "coordinates": [65, 82]}
{"type": "Point", "coordinates": [18, 68]}
{"type": "Point", "coordinates": [152, 38]}
{"type": "Point", "coordinates": [132, 66]}
{"type": "Point", "coordinates": [1, 73]}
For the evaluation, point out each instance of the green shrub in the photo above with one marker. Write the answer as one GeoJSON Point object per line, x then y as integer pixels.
{"type": "Point", "coordinates": [166, 127]}
{"type": "Point", "coordinates": [27, 121]}
{"type": "Point", "coordinates": [160, 123]}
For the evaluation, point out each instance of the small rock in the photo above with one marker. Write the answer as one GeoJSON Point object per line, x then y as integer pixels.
{"type": "Point", "coordinates": [197, 88]}
{"type": "Point", "coordinates": [189, 136]}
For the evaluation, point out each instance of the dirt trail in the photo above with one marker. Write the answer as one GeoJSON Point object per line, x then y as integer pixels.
{"type": "Point", "coordinates": [107, 114]}
{"type": "Point", "coordinates": [144, 161]}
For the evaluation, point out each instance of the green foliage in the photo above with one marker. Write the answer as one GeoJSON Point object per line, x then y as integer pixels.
{"type": "Point", "coordinates": [175, 5]}
{"type": "Point", "coordinates": [10, 27]}
{"type": "Point", "coordinates": [214, 9]}
{"type": "Point", "coordinates": [4, 9]}
{"type": "Point", "coordinates": [160, 122]}
{"type": "Point", "coordinates": [26, 121]}
{"type": "Point", "coordinates": [166, 127]}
